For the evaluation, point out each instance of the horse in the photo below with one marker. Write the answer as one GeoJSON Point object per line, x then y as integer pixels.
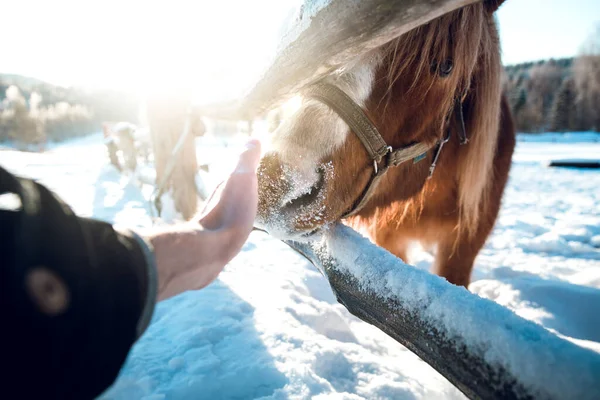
{"type": "Point", "coordinates": [411, 142]}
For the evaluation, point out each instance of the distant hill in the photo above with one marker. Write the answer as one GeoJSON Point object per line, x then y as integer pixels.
{"type": "Point", "coordinates": [546, 95]}
{"type": "Point", "coordinates": [40, 111]}
{"type": "Point", "coordinates": [109, 105]}
{"type": "Point", "coordinates": [556, 95]}
{"type": "Point", "coordinates": [564, 63]}
{"type": "Point", "coordinates": [21, 81]}
{"type": "Point", "coordinates": [533, 89]}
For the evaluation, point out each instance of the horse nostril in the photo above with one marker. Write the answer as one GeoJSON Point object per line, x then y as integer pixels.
{"type": "Point", "coordinates": [310, 195]}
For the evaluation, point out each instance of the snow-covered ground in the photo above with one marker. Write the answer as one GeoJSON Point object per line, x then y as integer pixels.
{"type": "Point", "coordinates": [270, 327]}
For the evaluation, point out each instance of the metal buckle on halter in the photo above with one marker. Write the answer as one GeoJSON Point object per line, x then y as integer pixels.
{"type": "Point", "coordinates": [437, 153]}
{"type": "Point", "coordinates": [388, 151]}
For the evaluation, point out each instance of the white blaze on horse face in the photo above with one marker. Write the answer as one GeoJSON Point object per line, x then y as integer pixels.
{"type": "Point", "coordinates": [304, 145]}
{"type": "Point", "coordinates": [314, 131]}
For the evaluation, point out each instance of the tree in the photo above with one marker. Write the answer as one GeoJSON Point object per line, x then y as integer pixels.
{"type": "Point", "coordinates": [520, 101]}
{"type": "Point", "coordinates": [21, 124]}
{"type": "Point", "coordinates": [587, 80]}
{"type": "Point", "coordinates": [544, 81]}
{"type": "Point", "coordinates": [564, 110]}
{"type": "Point", "coordinates": [530, 118]}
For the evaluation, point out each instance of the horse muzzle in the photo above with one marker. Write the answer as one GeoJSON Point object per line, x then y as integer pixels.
{"type": "Point", "coordinates": [291, 200]}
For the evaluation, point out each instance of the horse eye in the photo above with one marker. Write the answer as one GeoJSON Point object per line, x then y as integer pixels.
{"type": "Point", "coordinates": [445, 68]}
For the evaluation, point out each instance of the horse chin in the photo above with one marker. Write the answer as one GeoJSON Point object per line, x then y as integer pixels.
{"type": "Point", "coordinates": [299, 219]}
{"type": "Point", "coordinates": [288, 231]}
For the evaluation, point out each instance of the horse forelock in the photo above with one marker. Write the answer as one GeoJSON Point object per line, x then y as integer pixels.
{"type": "Point", "coordinates": [469, 38]}
{"type": "Point", "coordinates": [455, 36]}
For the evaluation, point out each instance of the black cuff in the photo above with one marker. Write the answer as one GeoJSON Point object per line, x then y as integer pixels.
{"type": "Point", "coordinates": [144, 247]}
{"type": "Point", "coordinates": [77, 350]}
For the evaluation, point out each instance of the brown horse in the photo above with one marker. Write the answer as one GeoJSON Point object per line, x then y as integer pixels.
{"type": "Point", "coordinates": [440, 80]}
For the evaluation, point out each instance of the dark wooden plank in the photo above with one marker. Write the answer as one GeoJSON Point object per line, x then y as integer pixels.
{"type": "Point", "coordinates": [554, 368]}
{"type": "Point", "coordinates": [335, 33]}
{"type": "Point", "coordinates": [575, 163]}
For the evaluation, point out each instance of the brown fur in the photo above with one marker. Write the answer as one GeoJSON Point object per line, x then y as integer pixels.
{"type": "Point", "coordinates": [456, 209]}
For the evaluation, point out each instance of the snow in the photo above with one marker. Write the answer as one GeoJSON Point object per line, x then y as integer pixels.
{"type": "Point", "coordinates": [298, 19]}
{"type": "Point", "coordinates": [543, 147]}
{"type": "Point", "coordinates": [270, 326]}
{"type": "Point", "coordinates": [554, 137]}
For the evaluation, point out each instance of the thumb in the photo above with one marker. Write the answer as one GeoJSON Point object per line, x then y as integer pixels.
{"type": "Point", "coordinates": [249, 159]}
{"type": "Point", "coordinates": [235, 200]}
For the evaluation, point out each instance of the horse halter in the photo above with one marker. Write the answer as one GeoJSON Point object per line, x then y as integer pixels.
{"type": "Point", "coordinates": [383, 156]}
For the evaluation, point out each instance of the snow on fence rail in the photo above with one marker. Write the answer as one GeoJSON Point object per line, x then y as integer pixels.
{"type": "Point", "coordinates": [482, 348]}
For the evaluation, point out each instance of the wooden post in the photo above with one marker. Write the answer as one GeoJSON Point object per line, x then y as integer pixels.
{"type": "Point", "coordinates": [166, 115]}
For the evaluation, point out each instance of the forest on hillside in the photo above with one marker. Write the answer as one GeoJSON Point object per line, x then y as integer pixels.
{"type": "Point", "coordinates": [555, 95]}
{"type": "Point", "coordinates": [34, 112]}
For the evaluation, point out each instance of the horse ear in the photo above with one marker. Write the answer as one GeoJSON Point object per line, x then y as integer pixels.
{"type": "Point", "coordinates": [492, 5]}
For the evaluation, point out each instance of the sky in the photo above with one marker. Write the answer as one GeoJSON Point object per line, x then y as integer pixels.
{"type": "Point", "coordinates": [539, 29]}
{"type": "Point", "coordinates": [217, 46]}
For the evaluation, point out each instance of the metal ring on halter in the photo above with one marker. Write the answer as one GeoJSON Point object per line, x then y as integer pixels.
{"type": "Point", "coordinates": [388, 149]}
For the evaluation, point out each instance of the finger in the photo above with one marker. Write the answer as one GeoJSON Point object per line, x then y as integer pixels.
{"type": "Point", "coordinates": [212, 200]}
{"type": "Point", "coordinates": [249, 159]}
{"type": "Point", "coordinates": [239, 201]}
{"type": "Point", "coordinates": [247, 162]}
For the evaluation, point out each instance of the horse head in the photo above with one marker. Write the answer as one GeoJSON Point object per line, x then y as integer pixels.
{"type": "Point", "coordinates": [417, 89]}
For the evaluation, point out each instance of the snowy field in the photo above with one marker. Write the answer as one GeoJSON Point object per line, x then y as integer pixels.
{"type": "Point", "coordinates": [270, 327]}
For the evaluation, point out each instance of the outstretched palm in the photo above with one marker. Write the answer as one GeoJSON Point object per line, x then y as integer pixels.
{"type": "Point", "coordinates": [192, 256]}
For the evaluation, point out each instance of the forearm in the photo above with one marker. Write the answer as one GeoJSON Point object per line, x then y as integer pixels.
{"type": "Point", "coordinates": [188, 257]}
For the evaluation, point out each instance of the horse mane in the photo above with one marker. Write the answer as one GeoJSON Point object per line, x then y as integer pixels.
{"type": "Point", "coordinates": [469, 37]}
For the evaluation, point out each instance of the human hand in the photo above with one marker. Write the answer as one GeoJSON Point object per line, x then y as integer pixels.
{"type": "Point", "coordinates": [191, 256]}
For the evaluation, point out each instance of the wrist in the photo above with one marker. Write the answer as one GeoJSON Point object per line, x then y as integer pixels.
{"type": "Point", "coordinates": [172, 253]}
{"type": "Point", "coordinates": [147, 249]}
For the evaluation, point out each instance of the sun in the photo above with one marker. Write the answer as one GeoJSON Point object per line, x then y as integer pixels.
{"type": "Point", "coordinates": [217, 48]}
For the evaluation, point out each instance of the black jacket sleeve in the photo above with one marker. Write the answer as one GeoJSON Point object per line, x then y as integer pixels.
{"type": "Point", "coordinates": [75, 295]}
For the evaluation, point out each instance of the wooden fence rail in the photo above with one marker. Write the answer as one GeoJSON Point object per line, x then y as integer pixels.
{"type": "Point", "coordinates": [482, 348]}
